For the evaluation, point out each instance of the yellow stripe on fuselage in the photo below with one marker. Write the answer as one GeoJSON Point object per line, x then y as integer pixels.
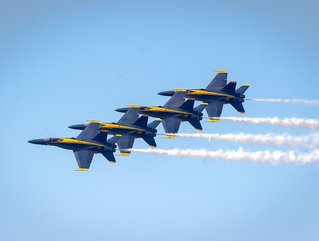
{"type": "Point", "coordinates": [77, 142]}
{"type": "Point", "coordinates": [162, 109]}
{"type": "Point", "coordinates": [117, 126]}
{"type": "Point", "coordinates": [204, 92]}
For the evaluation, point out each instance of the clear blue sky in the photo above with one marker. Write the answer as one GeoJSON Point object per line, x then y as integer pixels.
{"type": "Point", "coordinates": [63, 62]}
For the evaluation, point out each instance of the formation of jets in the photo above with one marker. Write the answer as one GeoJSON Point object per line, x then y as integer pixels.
{"type": "Point", "coordinates": [134, 123]}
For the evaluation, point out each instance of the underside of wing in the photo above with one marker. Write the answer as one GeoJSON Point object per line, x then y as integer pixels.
{"type": "Point", "coordinates": [90, 131]}
{"type": "Point", "coordinates": [129, 117]}
{"type": "Point", "coordinates": [176, 100]}
{"type": "Point", "coordinates": [171, 125]}
{"type": "Point", "coordinates": [125, 142]}
{"type": "Point", "coordinates": [219, 81]}
{"type": "Point", "coordinates": [84, 158]}
{"type": "Point", "coordinates": [214, 109]}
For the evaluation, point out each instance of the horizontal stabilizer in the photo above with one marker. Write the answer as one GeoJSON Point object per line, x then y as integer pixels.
{"type": "Point", "coordinates": [230, 87]}
{"type": "Point", "coordinates": [196, 124]}
{"type": "Point", "coordinates": [109, 156]}
{"type": "Point", "coordinates": [150, 140]}
{"type": "Point", "coordinates": [238, 106]}
{"type": "Point", "coordinates": [241, 90]}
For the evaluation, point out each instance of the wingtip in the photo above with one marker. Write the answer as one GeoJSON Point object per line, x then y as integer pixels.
{"type": "Point", "coordinates": [180, 90]}
{"type": "Point", "coordinates": [123, 154]}
{"type": "Point", "coordinates": [93, 121]}
{"type": "Point", "coordinates": [169, 137]}
{"type": "Point", "coordinates": [81, 169]}
{"type": "Point", "coordinates": [134, 106]}
{"type": "Point", "coordinates": [213, 120]}
{"type": "Point", "coordinates": [221, 71]}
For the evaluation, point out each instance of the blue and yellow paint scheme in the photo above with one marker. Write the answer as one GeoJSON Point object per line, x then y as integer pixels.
{"type": "Point", "coordinates": [216, 94]}
{"type": "Point", "coordinates": [175, 111]}
{"type": "Point", "coordinates": [129, 127]}
{"type": "Point", "coordinates": [90, 141]}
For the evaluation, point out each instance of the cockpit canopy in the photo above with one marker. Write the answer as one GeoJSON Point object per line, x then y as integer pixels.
{"type": "Point", "coordinates": [52, 139]}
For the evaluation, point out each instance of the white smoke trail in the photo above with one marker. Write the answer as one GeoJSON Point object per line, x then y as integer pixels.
{"type": "Point", "coordinates": [275, 157]}
{"type": "Point", "coordinates": [286, 122]}
{"type": "Point", "coordinates": [290, 101]}
{"type": "Point", "coordinates": [308, 141]}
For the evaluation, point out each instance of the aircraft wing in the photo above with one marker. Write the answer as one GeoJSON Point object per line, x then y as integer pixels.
{"type": "Point", "coordinates": [219, 81]}
{"type": "Point", "coordinates": [84, 158]}
{"type": "Point", "coordinates": [176, 100]}
{"type": "Point", "coordinates": [129, 117]}
{"type": "Point", "coordinates": [171, 125]}
{"type": "Point", "coordinates": [125, 142]}
{"type": "Point", "coordinates": [90, 131]}
{"type": "Point", "coordinates": [214, 109]}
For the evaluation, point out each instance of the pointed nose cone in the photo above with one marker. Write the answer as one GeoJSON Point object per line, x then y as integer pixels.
{"type": "Point", "coordinates": [123, 110]}
{"type": "Point", "coordinates": [78, 127]}
{"type": "Point", "coordinates": [38, 141]}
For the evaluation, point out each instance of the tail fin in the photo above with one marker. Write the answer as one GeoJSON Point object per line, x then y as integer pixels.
{"type": "Point", "coordinates": [196, 124]}
{"type": "Point", "coordinates": [150, 140]}
{"type": "Point", "coordinates": [109, 156]}
{"type": "Point", "coordinates": [201, 107]}
{"type": "Point", "coordinates": [101, 137]}
{"type": "Point", "coordinates": [154, 124]}
{"type": "Point", "coordinates": [142, 121]}
{"type": "Point", "coordinates": [230, 87]}
{"type": "Point", "coordinates": [241, 90]}
{"type": "Point", "coordinates": [238, 106]}
{"type": "Point", "coordinates": [188, 105]}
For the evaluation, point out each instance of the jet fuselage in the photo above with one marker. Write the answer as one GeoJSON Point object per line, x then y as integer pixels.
{"type": "Point", "coordinates": [75, 144]}
{"type": "Point", "coordinates": [114, 129]}
{"type": "Point", "coordinates": [162, 112]}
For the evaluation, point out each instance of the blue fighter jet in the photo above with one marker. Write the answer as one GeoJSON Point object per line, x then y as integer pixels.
{"type": "Point", "coordinates": [129, 127]}
{"type": "Point", "coordinates": [90, 141]}
{"type": "Point", "coordinates": [173, 113]}
{"type": "Point", "coordinates": [216, 94]}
